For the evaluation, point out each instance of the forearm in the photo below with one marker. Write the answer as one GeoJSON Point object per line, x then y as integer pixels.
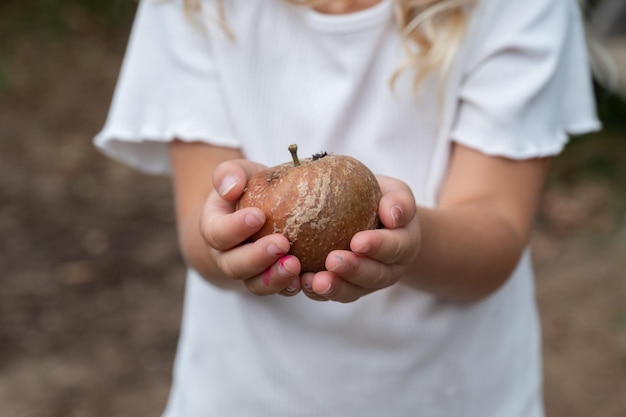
{"type": "Point", "coordinates": [472, 242]}
{"type": "Point", "coordinates": [193, 165]}
{"type": "Point", "coordinates": [465, 253]}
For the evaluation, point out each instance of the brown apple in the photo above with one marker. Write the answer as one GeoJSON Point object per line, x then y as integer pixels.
{"type": "Point", "coordinates": [318, 203]}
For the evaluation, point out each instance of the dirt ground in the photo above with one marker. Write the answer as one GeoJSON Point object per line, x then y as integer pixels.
{"type": "Point", "coordinates": [91, 281]}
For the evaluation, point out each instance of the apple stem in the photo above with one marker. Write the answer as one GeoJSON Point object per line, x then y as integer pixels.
{"type": "Point", "coordinates": [293, 148]}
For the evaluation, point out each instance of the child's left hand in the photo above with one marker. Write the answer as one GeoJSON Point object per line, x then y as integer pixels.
{"type": "Point", "coordinates": [377, 258]}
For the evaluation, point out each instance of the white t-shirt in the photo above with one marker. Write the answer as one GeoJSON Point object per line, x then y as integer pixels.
{"type": "Point", "coordinates": [519, 86]}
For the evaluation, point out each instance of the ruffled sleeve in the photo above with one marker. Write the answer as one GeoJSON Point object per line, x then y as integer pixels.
{"type": "Point", "coordinates": [168, 89]}
{"type": "Point", "coordinates": [526, 85]}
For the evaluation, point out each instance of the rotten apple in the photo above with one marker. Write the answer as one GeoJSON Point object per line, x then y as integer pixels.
{"type": "Point", "coordinates": [318, 203]}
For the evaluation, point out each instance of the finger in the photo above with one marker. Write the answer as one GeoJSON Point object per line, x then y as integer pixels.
{"type": "Point", "coordinates": [330, 286]}
{"type": "Point", "coordinates": [223, 229]}
{"type": "Point", "coordinates": [397, 205]}
{"type": "Point", "coordinates": [277, 278]}
{"type": "Point", "coordinates": [389, 246]}
{"type": "Point", "coordinates": [306, 282]}
{"type": "Point", "coordinates": [252, 259]}
{"type": "Point", "coordinates": [230, 177]}
{"type": "Point", "coordinates": [293, 288]}
{"type": "Point", "coordinates": [361, 272]}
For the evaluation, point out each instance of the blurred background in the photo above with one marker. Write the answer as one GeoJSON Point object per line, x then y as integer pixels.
{"type": "Point", "coordinates": [91, 281]}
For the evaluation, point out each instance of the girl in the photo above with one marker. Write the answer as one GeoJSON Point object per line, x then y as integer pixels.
{"type": "Point", "coordinates": [456, 104]}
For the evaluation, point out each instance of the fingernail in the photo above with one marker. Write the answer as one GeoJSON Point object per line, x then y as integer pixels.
{"type": "Point", "coordinates": [327, 290]}
{"type": "Point", "coordinates": [227, 184]}
{"type": "Point", "coordinates": [396, 214]}
{"type": "Point", "coordinates": [276, 250]}
{"type": "Point", "coordinates": [340, 266]}
{"type": "Point", "coordinates": [362, 248]}
{"type": "Point", "coordinates": [292, 288]}
{"type": "Point", "coordinates": [283, 270]}
{"type": "Point", "coordinates": [253, 220]}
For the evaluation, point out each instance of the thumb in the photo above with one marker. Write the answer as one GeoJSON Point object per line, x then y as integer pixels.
{"type": "Point", "coordinates": [397, 206]}
{"type": "Point", "coordinates": [230, 177]}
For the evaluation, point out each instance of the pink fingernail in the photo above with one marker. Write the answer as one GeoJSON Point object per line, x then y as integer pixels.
{"type": "Point", "coordinates": [363, 248]}
{"type": "Point", "coordinates": [253, 220]}
{"type": "Point", "coordinates": [282, 268]}
{"type": "Point", "coordinates": [396, 214]}
{"type": "Point", "coordinates": [227, 184]}
{"type": "Point", "coordinates": [327, 290]}
{"type": "Point", "coordinates": [275, 250]}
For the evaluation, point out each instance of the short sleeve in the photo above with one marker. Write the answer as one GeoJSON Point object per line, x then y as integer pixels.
{"type": "Point", "coordinates": [526, 85]}
{"type": "Point", "coordinates": [168, 89]}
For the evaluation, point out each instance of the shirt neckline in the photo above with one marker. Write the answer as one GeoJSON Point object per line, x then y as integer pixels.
{"type": "Point", "coordinates": [349, 22]}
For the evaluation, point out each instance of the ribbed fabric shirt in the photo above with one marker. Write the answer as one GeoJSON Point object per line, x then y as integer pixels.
{"type": "Point", "coordinates": [519, 86]}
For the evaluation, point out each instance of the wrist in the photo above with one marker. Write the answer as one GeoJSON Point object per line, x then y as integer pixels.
{"type": "Point", "coordinates": [465, 254]}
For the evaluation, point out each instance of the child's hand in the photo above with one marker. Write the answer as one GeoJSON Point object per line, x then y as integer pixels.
{"type": "Point", "coordinates": [263, 266]}
{"type": "Point", "coordinates": [378, 258]}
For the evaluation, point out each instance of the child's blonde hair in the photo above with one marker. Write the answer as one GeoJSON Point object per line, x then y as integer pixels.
{"type": "Point", "coordinates": [431, 31]}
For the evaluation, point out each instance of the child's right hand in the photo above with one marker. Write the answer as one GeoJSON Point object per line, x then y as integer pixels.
{"type": "Point", "coordinates": [263, 266]}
